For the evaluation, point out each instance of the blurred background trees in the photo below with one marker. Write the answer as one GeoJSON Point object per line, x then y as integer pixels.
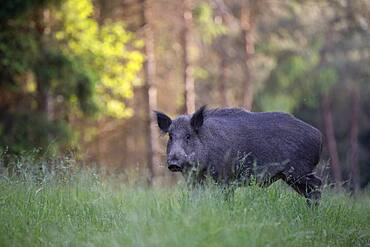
{"type": "Point", "coordinates": [57, 65]}
{"type": "Point", "coordinates": [85, 75]}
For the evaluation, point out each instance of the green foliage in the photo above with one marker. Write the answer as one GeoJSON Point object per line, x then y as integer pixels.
{"type": "Point", "coordinates": [276, 102]}
{"type": "Point", "coordinates": [299, 74]}
{"type": "Point", "coordinates": [82, 210]}
{"type": "Point", "coordinates": [66, 60]}
{"type": "Point", "coordinates": [15, 8]}
{"type": "Point", "coordinates": [13, 60]}
{"type": "Point", "coordinates": [326, 78]}
{"type": "Point", "coordinates": [102, 50]}
{"type": "Point", "coordinates": [286, 77]}
{"type": "Point", "coordinates": [209, 26]}
{"type": "Point", "coordinates": [26, 131]}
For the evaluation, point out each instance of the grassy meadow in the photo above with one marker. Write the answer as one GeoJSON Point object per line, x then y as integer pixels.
{"type": "Point", "coordinates": [85, 210]}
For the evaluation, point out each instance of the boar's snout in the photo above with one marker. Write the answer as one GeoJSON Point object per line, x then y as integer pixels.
{"type": "Point", "coordinates": [174, 163]}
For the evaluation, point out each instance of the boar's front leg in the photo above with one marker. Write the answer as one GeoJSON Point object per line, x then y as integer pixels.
{"type": "Point", "coordinates": [194, 177]}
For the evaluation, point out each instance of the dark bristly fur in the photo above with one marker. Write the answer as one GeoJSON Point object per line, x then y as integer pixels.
{"type": "Point", "coordinates": [231, 144]}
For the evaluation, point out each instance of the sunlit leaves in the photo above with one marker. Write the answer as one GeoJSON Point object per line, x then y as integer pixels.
{"type": "Point", "coordinates": [57, 63]}
{"type": "Point", "coordinates": [103, 50]}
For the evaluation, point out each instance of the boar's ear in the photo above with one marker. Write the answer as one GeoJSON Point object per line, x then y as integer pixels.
{"type": "Point", "coordinates": [197, 119]}
{"type": "Point", "coordinates": [163, 121]}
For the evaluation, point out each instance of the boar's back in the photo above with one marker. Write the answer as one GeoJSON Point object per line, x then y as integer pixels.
{"type": "Point", "coordinates": [268, 136]}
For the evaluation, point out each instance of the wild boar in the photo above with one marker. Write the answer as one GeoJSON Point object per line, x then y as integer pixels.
{"type": "Point", "coordinates": [232, 144]}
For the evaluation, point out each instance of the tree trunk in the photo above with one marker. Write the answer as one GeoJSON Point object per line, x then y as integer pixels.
{"type": "Point", "coordinates": [44, 97]}
{"type": "Point", "coordinates": [223, 59]}
{"type": "Point", "coordinates": [44, 100]}
{"type": "Point", "coordinates": [248, 25]}
{"type": "Point", "coordinates": [222, 92]}
{"type": "Point", "coordinates": [355, 107]}
{"type": "Point", "coordinates": [103, 9]}
{"type": "Point", "coordinates": [330, 138]}
{"type": "Point", "coordinates": [189, 88]}
{"type": "Point", "coordinates": [150, 91]}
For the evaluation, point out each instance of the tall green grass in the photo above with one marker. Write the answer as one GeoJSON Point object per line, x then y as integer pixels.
{"type": "Point", "coordinates": [85, 210]}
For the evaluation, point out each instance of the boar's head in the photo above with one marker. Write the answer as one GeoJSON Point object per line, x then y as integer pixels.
{"type": "Point", "coordinates": [184, 145]}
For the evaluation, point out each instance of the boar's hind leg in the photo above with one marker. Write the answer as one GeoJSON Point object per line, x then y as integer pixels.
{"type": "Point", "coordinates": [308, 186]}
{"type": "Point", "coordinates": [269, 173]}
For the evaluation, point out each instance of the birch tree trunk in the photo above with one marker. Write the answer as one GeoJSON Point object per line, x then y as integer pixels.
{"type": "Point", "coordinates": [189, 88]}
{"type": "Point", "coordinates": [150, 91]}
{"type": "Point", "coordinates": [247, 24]}
{"type": "Point", "coordinates": [222, 92]}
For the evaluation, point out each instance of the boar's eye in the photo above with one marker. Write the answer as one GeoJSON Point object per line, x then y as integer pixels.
{"type": "Point", "coordinates": [187, 137]}
{"type": "Point", "coordinates": [170, 136]}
